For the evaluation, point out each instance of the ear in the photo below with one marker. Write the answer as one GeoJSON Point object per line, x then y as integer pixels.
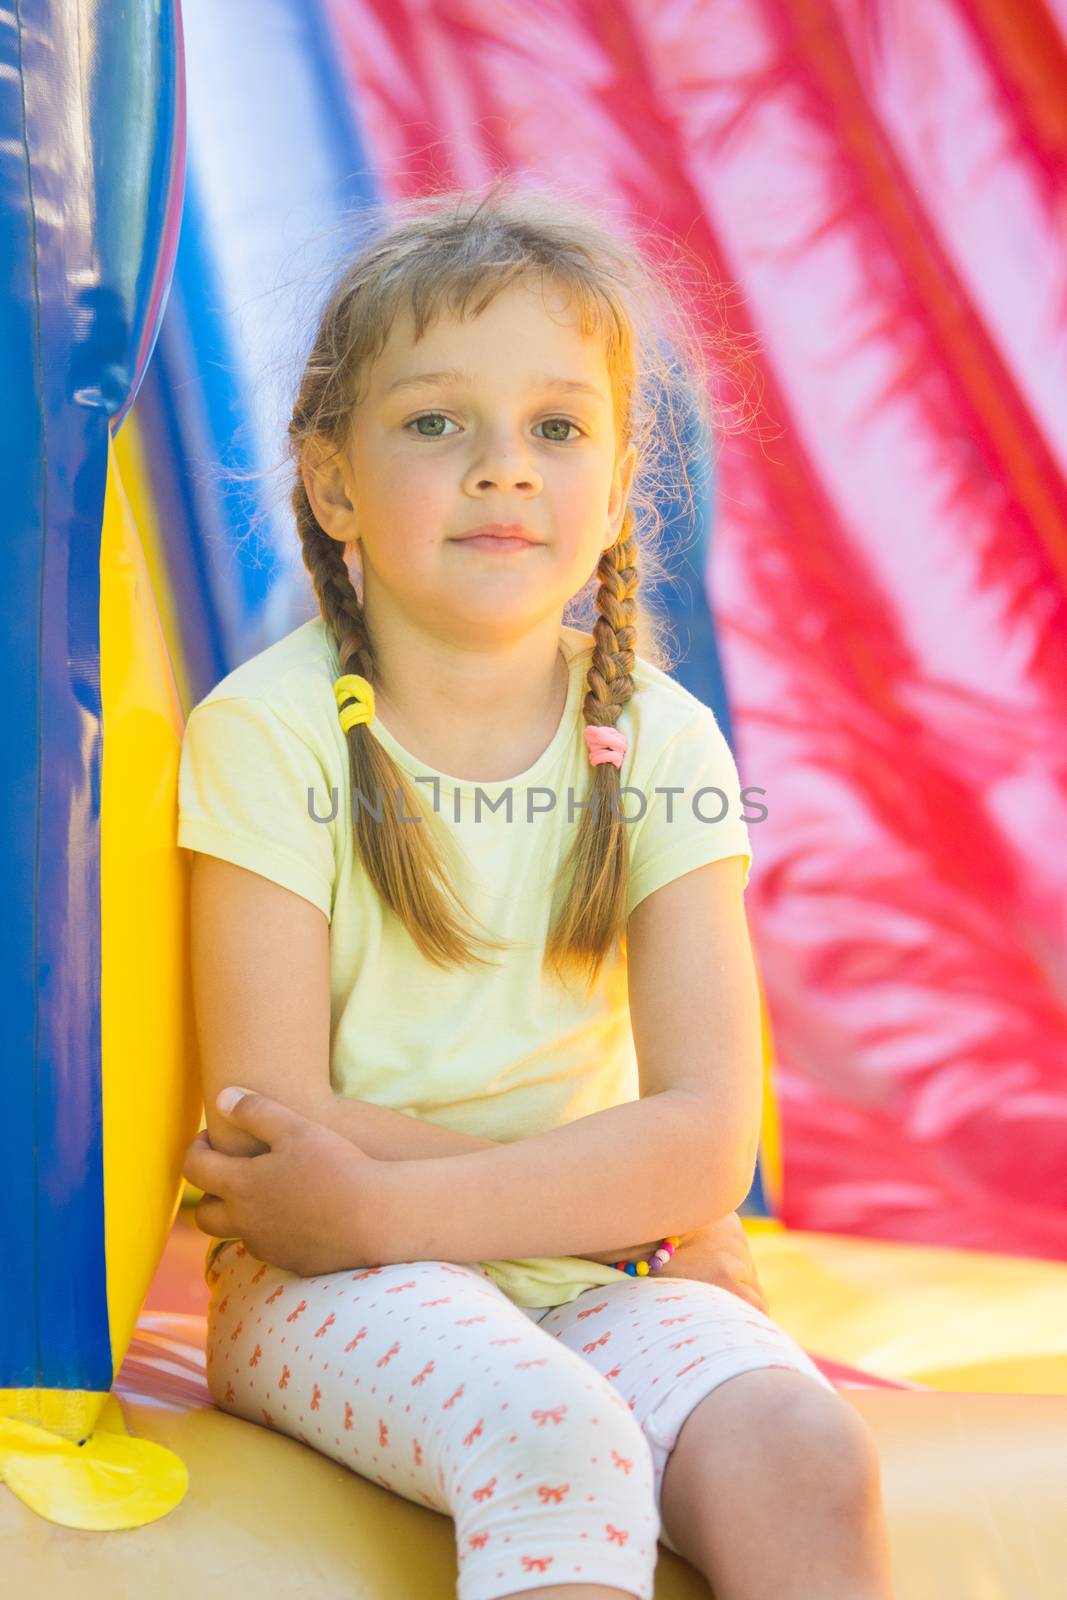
{"type": "Point", "coordinates": [324, 471]}
{"type": "Point", "coordinates": [621, 479]}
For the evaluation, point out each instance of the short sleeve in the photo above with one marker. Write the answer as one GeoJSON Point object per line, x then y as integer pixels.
{"type": "Point", "coordinates": [243, 795]}
{"type": "Point", "coordinates": [692, 810]}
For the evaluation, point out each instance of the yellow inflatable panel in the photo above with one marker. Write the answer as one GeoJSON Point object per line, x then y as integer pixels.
{"type": "Point", "coordinates": [151, 1095]}
{"type": "Point", "coordinates": [109, 1482]}
{"type": "Point", "coordinates": [950, 1319]}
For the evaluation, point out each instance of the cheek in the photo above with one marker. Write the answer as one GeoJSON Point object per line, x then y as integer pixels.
{"type": "Point", "coordinates": [581, 530]}
{"type": "Point", "coordinates": [405, 487]}
{"type": "Point", "coordinates": [581, 499]}
{"type": "Point", "coordinates": [407, 513]}
{"type": "Point", "coordinates": [398, 471]}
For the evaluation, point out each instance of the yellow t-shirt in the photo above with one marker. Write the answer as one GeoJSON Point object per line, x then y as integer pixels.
{"type": "Point", "coordinates": [501, 1054]}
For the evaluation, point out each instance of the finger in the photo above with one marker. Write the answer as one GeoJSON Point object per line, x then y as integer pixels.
{"type": "Point", "coordinates": [257, 1114]}
{"type": "Point", "coordinates": [212, 1170]}
{"type": "Point", "coordinates": [211, 1217]}
{"type": "Point", "coordinates": [743, 1291]}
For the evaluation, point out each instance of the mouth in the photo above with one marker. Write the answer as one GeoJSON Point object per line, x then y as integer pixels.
{"type": "Point", "coordinates": [499, 536]}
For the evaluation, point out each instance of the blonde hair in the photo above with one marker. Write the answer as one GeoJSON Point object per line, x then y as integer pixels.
{"type": "Point", "coordinates": [456, 252]}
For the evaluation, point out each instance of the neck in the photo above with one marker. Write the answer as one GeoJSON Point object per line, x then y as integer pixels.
{"type": "Point", "coordinates": [481, 710]}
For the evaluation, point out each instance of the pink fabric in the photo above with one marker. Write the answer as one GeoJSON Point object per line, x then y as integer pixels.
{"type": "Point", "coordinates": [605, 744]}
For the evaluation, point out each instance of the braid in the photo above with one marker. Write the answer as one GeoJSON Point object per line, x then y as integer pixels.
{"type": "Point", "coordinates": [614, 634]}
{"type": "Point", "coordinates": [338, 600]}
{"type": "Point", "coordinates": [405, 867]}
{"type": "Point", "coordinates": [593, 913]}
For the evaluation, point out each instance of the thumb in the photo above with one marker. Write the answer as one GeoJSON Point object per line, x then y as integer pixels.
{"type": "Point", "coordinates": [257, 1114]}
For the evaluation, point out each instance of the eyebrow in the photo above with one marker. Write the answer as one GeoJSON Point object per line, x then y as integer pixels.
{"type": "Point", "coordinates": [466, 379]}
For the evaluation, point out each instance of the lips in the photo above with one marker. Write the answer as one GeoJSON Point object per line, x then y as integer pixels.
{"type": "Point", "coordinates": [499, 532]}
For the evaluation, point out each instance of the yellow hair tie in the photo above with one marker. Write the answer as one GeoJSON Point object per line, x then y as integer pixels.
{"type": "Point", "coordinates": [353, 688]}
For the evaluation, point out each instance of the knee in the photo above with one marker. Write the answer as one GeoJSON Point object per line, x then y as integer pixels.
{"type": "Point", "coordinates": [572, 1470]}
{"type": "Point", "coordinates": [620, 1443]}
{"type": "Point", "coordinates": [817, 1439]}
{"type": "Point", "coordinates": [565, 1438]}
{"type": "Point", "coordinates": [579, 1415]}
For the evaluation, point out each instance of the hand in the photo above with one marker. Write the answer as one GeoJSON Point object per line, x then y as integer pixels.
{"type": "Point", "coordinates": [719, 1253]}
{"type": "Point", "coordinates": [309, 1204]}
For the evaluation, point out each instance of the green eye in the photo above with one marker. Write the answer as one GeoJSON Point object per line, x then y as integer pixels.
{"type": "Point", "coordinates": [438, 417]}
{"type": "Point", "coordinates": [553, 422]}
{"type": "Point", "coordinates": [428, 416]}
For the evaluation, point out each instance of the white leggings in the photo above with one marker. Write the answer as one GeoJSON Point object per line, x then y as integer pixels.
{"type": "Point", "coordinates": [543, 1433]}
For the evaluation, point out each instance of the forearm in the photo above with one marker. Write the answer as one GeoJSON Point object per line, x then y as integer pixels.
{"type": "Point", "coordinates": [390, 1135]}
{"type": "Point", "coordinates": [641, 1170]}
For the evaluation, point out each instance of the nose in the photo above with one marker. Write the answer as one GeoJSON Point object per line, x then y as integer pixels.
{"type": "Point", "coordinates": [503, 461]}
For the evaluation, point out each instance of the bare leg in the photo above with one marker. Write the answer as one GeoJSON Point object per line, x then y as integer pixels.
{"type": "Point", "coordinates": [774, 1488]}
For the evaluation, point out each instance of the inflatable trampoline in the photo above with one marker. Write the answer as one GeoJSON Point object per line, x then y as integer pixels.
{"type": "Point", "coordinates": [908, 1216]}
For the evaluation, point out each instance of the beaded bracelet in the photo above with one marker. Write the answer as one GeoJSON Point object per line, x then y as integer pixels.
{"type": "Point", "coordinates": [655, 1263]}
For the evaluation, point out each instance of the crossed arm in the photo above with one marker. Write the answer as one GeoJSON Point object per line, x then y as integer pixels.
{"type": "Point", "coordinates": [389, 1135]}
{"type": "Point", "coordinates": [679, 1158]}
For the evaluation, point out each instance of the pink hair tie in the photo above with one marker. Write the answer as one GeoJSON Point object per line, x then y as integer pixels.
{"type": "Point", "coordinates": [605, 744]}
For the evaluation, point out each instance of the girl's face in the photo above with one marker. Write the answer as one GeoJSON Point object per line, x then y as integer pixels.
{"type": "Point", "coordinates": [502, 418]}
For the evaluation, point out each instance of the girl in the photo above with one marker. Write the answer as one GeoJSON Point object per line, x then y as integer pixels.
{"type": "Point", "coordinates": [467, 915]}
